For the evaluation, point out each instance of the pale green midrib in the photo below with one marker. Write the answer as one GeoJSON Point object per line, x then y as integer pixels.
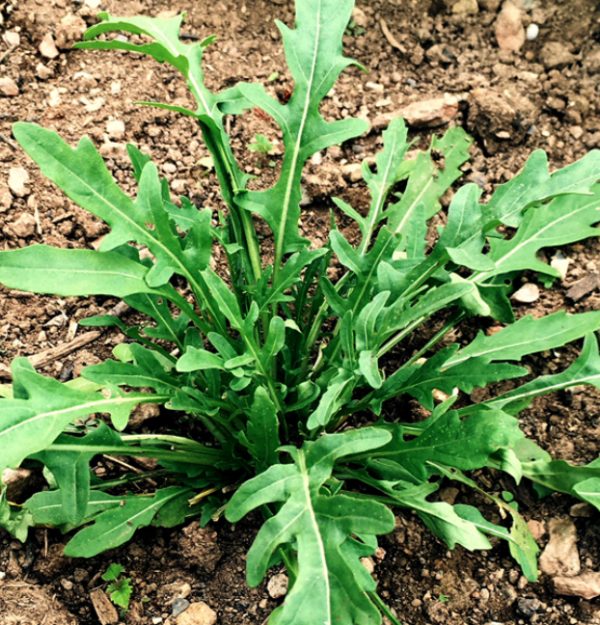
{"type": "Point", "coordinates": [536, 235]}
{"type": "Point", "coordinates": [166, 322]}
{"type": "Point", "coordinates": [93, 406]}
{"type": "Point", "coordinates": [145, 233]}
{"type": "Point", "coordinates": [545, 389]}
{"type": "Point", "coordinates": [296, 153]}
{"type": "Point", "coordinates": [317, 533]}
{"type": "Point", "coordinates": [376, 210]}
{"type": "Point", "coordinates": [100, 272]}
{"type": "Point", "coordinates": [129, 521]}
{"type": "Point", "coordinates": [461, 358]}
{"type": "Point", "coordinates": [413, 205]}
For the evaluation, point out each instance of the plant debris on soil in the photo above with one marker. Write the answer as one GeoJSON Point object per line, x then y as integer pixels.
{"type": "Point", "coordinates": [518, 75]}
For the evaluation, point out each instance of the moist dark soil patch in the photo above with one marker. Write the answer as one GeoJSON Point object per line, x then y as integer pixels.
{"type": "Point", "coordinates": [432, 52]}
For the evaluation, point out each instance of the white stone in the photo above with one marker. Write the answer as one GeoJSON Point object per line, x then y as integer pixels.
{"type": "Point", "coordinates": [533, 30]}
{"type": "Point", "coordinates": [54, 98]}
{"type": "Point", "coordinates": [11, 38]}
{"type": "Point", "coordinates": [47, 47]}
{"type": "Point", "coordinates": [8, 87]}
{"type": "Point", "coordinates": [115, 128]}
{"type": "Point", "coordinates": [197, 614]}
{"type": "Point", "coordinates": [18, 177]}
{"type": "Point", "coordinates": [561, 556]}
{"type": "Point", "coordinates": [561, 264]}
{"type": "Point", "coordinates": [527, 294]}
{"type": "Point", "coordinates": [277, 586]}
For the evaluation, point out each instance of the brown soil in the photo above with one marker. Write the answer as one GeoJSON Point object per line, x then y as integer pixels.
{"type": "Point", "coordinates": [511, 102]}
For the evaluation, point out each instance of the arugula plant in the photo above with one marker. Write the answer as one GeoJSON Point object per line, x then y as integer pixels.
{"type": "Point", "coordinates": [279, 384]}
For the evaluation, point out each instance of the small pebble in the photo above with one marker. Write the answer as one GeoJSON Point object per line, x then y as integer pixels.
{"type": "Point", "coordinates": [115, 129]}
{"type": "Point", "coordinates": [278, 586]}
{"type": "Point", "coordinates": [198, 613]}
{"type": "Point", "coordinates": [11, 38]}
{"type": "Point", "coordinates": [43, 72]}
{"type": "Point", "coordinates": [179, 605]}
{"type": "Point", "coordinates": [47, 47]}
{"type": "Point", "coordinates": [18, 177]}
{"type": "Point", "coordinates": [8, 87]}
{"type": "Point", "coordinates": [533, 30]}
{"type": "Point", "coordinates": [527, 294]}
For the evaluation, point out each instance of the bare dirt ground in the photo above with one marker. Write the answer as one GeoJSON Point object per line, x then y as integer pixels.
{"type": "Point", "coordinates": [545, 95]}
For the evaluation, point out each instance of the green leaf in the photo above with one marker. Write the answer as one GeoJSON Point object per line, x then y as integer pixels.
{"type": "Point", "coordinates": [315, 59]}
{"type": "Point", "coordinates": [433, 174]}
{"type": "Point", "coordinates": [148, 369]}
{"type": "Point", "coordinates": [82, 175]}
{"type": "Point", "coordinates": [116, 526]}
{"type": "Point", "coordinates": [558, 475]}
{"type": "Point", "coordinates": [262, 431]}
{"type": "Point", "coordinates": [589, 491]}
{"type": "Point", "coordinates": [451, 440]}
{"type": "Point", "coordinates": [120, 592]}
{"type": "Point", "coordinates": [585, 370]}
{"type": "Point", "coordinates": [388, 167]}
{"type": "Point", "coordinates": [113, 572]}
{"type": "Point", "coordinates": [528, 336]}
{"type": "Point", "coordinates": [15, 521]}
{"type": "Point", "coordinates": [462, 239]}
{"type": "Point", "coordinates": [46, 507]}
{"type": "Point", "coordinates": [338, 391]}
{"type": "Point", "coordinates": [196, 359]}
{"type": "Point", "coordinates": [43, 407]}
{"type": "Point", "coordinates": [441, 518]}
{"type": "Point", "coordinates": [330, 586]}
{"type": "Point", "coordinates": [534, 184]}
{"type": "Point", "coordinates": [565, 219]}
{"type": "Point", "coordinates": [421, 380]}
{"type": "Point", "coordinates": [71, 470]}
{"type": "Point", "coordinates": [43, 269]}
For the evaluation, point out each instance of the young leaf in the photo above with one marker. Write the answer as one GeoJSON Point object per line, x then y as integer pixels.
{"type": "Point", "coordinates": [330, 585]}
{"type": "Point", "coordinates": [433, 174]}
{"type": "Point", "coordinates": [262, 432]}
{"type": "Point", "coordinates": [381, 183]}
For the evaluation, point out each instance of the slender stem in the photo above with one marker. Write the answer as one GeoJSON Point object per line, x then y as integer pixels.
{"type": "Point", "coordinates": [391, 343]}
{"type": "Point", "coordinates": [128, 479]}
{"type": "Point", "coordinates": [383, 608]}
{"type": "Point", "coordinates": [436, 338]}
{"type": "Point", "coordinates": [160, 454]}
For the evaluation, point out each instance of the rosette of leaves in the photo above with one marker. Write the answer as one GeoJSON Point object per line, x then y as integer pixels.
{"type": "Point", "coordinates": [279, 386]}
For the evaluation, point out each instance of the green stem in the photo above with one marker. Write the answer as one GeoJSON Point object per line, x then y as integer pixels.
{"type": "Point", "coordinates": [391, 343]}
{"type": "Point", "coordinates": [159, 454]}
{"type": "Point", "coordinates": [436, 338]}
{"type": "Point", "coordinates": [383, 608]}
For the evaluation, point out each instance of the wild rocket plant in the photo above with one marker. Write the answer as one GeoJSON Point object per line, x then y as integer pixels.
{"type": "Point", "coordinates": [279, 386]}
